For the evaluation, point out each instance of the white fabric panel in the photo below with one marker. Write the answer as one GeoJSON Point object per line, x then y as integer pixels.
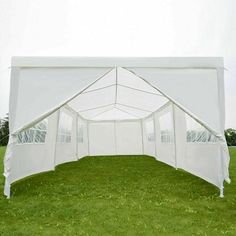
{"type": "Point", "coordinates": [148, 102]}
{"type": "Point", "coordinates": [129, 79]}
{"type": "Point", "coordinates": [102, 138]}
{"type": "Point", "coordinates": [94, 99]}
{"type": "Point", "coordinates": [203, 160]}
{"type": "Point", "coordinates": [197, 158]}
{"type": "Point", "coordinates": [82, 146]}
{"type": "Point", "coordinates": [225, 160]}
{"type": "Point", "coordinates": [165, 150]}
{"type": "Point", "coordinates": [128, 138]}
{"type": "Point", "coordinates": [66, 152]}
{"type": "Point", "coordinates": [91, 114]}
{"type": "Point", "coordinates": [15, 74]}
{"type": "Point", "coordinates": [194, 89]}
{"type": "Point", "coordinates": [115, 114]}
{"type": "Point", "coordinates": [134, 111]}
{"type": "Point", "coordinates": [43, 89]}
{"type": "Point", "coordinates": [34, 158]}
{"type": "Point", "coordinates": [108, 80]}
{"type": "Point", "coordinates": [148, 131]}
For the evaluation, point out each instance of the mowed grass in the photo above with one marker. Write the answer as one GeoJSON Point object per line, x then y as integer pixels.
{"type": "Point", "coordinates": [136, 195]}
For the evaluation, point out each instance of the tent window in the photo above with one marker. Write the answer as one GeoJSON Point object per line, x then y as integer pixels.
{"type": "Point", "coordinates": [65, 128]}
{"type": "Point", "coordinates": [35, 134]}
{"type": "Point", "coordinates": [166, 128]}
{"type": "Point", "coordinates": [149, 126]}
{"type": "Point", "coordinates": [195, 132]}
{"type": "Point", "coordinates": [80, 133]}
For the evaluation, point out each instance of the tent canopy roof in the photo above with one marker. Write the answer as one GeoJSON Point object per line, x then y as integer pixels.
{"type": "Point", "coordinates": [118, 95]}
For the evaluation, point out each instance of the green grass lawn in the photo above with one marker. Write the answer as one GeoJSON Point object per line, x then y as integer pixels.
{"type": "Point", "coordinates": [118, 196]}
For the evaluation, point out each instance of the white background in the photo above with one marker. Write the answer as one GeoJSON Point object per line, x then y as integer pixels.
{"type": "Point", "coordinates": [119, 28]}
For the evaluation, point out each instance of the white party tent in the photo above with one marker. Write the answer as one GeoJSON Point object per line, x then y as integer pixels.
{"type": "Point", "coordinates": [62, 109]}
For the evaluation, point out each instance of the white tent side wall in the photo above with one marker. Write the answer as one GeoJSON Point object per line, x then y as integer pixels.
{"type": "Point", "coordinates": [34, 157]}
{"type": "Point", "coordinates": [173, 149]}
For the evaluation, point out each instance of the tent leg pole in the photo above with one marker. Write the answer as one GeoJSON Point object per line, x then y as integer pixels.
{"type": "Point", "coordinates": [55, 145]}
{"type": "Point", "coordinates": [222, 173]}
{"type": "Point", "coordinates": [115, 136]}
{"type": "Point", "coordinates": [221, 191]}
{"type": "Point", "coordinates": [88, 138]}
{"type": "Point", "coordinates": [7, 189]}
{"type": "Point", "coordinates": [141, 125]}
{"type": "Point", "coordinates": [76, 139]}
{"type": "Point", "coordinates": [155, 133]}
{"type": "Point", "coordinates": [174, 127]}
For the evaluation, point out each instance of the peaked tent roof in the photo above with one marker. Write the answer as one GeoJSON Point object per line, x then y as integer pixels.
{"type": "Point", "coordinates": [131, 87]}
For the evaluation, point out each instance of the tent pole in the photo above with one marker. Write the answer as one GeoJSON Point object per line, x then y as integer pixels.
{"type": "Point", "coordinates": [141, 125]}
{"type": "Point", "coordinates": [222, 173]}
{"type": "Point", "coordinates": [88, 138]}
{"type": "Point", "coordinates": [57, 128]}
{"type": "Point", "coordinates": [155, 133]}
{"type": "Point", "coordinates": [115, 137]}
{"type": "Point", "coordinates": [174, 134]}
{"type": "Point", "coordinates": [94, 90]}
{"type": "Point", "coordinates": [129, 113]}
{"type": "Point", "coordinates": [137, 108]}
{"type": "Point", "coordinates": [139, 90]}
{"type": "Point", "coordinates": [100, 113]}
{"type": "Point", "coordinates": [94, 108]}
{"type": "Point", "coordinates": [116, 85]}
{"type": "Point", "coordinates": [76, 135]}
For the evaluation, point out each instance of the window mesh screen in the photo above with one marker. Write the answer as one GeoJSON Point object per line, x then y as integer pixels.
{"type": "Point", "coordinates": [35, 134]}
{"type": "Point", "coordinates": [195, 132]}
